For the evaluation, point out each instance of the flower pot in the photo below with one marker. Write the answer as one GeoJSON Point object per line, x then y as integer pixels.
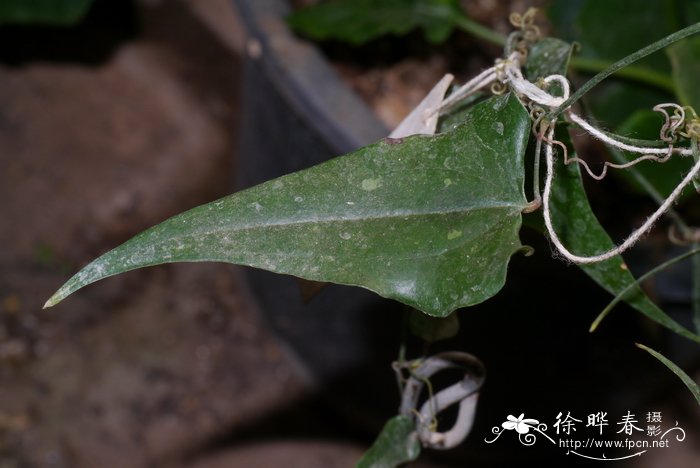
{"type": "Point", "coordinates": [296, 112]}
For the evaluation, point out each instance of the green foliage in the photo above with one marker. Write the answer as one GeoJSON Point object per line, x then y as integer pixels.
{"type": "Point", "coordinates": [54, 12]}
{"type": "Point", "coordinates": [685, 59]}
{"type": "Point", "coordinates": [579, 229]}
{"type": "Point", "coordinates": [609, 30]}
{"type": "Point", "coordinates": [360, 21]}
{"type": "Point", "coordinates": [396, 444]}
{"type": "Point", "coordinates": [612, 29]}
{"type": "Point", "coordinates": [432, 221]}
{"type": "Point", "coordinates": [546, 57]}
{"type": "Point", "coordinates": [428, 221]}
{"type": "Point", "coordinates": [658, 316]}
{"type": "Point", "coordinates": [572, 215]}
{"type": "Point", "coordinates": [685, 378]}
{"type": "Point", "coordinates": [645, 124]}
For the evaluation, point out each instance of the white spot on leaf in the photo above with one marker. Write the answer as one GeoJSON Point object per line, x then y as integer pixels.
{"type": "Point", "coordinates": [371, 184]}
{"type": "Point", "coordinates": [498, 126]}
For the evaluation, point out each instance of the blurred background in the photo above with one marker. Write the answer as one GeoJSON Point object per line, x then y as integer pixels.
{"type": "Point", "coordinates": [133, 111]}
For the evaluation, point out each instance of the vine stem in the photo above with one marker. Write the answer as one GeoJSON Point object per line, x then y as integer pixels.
{"type": "Point", "coordinates": [638, 74]}
{"type": "Point", "coordinates": [621, 295]}
{"type": "Point", "coordinates": [482, 32]}
{"type": "Point", "coordinates": [625, 62]}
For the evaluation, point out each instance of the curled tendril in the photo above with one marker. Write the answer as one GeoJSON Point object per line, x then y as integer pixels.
{"type": "Point", "coordinates": [606, 164]}
{"type": "Point", "coordinates": [525, 21]}
{"type": "Point", "coordinates": [536, 113]}
{"type": "Point", "coordinates": [498, 88]}
{"type": "Point", "coordinates": [685, 237]}
{"type": "Point", "coordinates": [672, 123]}
{"type": "Point", "coordinates": [529, 31]}
{"type": "Point", "coordinates": [684, 122]}
{"type": "Point", "coordinates": [692, 129]}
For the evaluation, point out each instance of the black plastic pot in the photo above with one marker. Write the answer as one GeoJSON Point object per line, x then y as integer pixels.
{"type": "Point", "coordinates": [296, 112]}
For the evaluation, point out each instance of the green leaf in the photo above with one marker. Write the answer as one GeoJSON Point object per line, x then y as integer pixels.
{"type": "Point", "coordinates": [457, 116]}
{"type": "Point", "coordinates": [572, 216]}
{"type": "Point", "coordinates": [429, 221]}
{"type": "Point", "coordinates": [59, 12]}
{"type": "Point", "coordinates": [685, 61]}
{"type": "Point", "coordinates": [398, 443]}
{"type": "Point", "coordinates": [360, 21]}
{"type": "Point", "coordinates": [580, 232]}
{"type": "Point", "coordinates": [690, 383]}
{"type": "Point", "coordinates": [611, 29]}
{"type": "Point", "coordinates": [546, 57]}
{"type": "Point", "coordinates": [622, 295]}
{"type": "Point", "coordinates": [664, 177]}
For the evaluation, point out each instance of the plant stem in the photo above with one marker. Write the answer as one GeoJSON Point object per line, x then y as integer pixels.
{"type": "Point", "coordinates": [689, 382]}
{"type": "Point", "coordinates": [621, 295]}
{"type": "Point", "coordinates": [584, 64]}
{"type": "Point", "coordinates": [482, 32]}
{"type": "Point", "coordinates": [636, 141]}
{"type": "Point", "coordinates": [638, 74]}
{"type": "Point", "coordinates": [620, 64]}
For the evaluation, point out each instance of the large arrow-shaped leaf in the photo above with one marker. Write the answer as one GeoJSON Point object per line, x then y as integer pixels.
{"type": "Point", "coordinates": [429, 221]}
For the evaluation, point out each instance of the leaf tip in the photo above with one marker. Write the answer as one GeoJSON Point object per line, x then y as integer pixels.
{"type": "Point", "coordinates": [64, 291]}
{"type": "Point", "coordinates": [53, 300]}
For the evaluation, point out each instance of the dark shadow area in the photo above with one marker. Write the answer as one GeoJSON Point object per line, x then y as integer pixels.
{"type": "Point", "coordinates": [533, 339]}
{"type": "Point", "coordinates": [91, 42]}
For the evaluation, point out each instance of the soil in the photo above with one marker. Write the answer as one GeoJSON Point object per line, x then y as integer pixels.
{"type": "Point", "coordinates": [146, 368]}
{"type": "Point", "coordinates": [392, 75]}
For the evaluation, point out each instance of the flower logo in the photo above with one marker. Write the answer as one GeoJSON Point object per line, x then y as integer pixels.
{"type": "Point", "coordinates": [521, 425]}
